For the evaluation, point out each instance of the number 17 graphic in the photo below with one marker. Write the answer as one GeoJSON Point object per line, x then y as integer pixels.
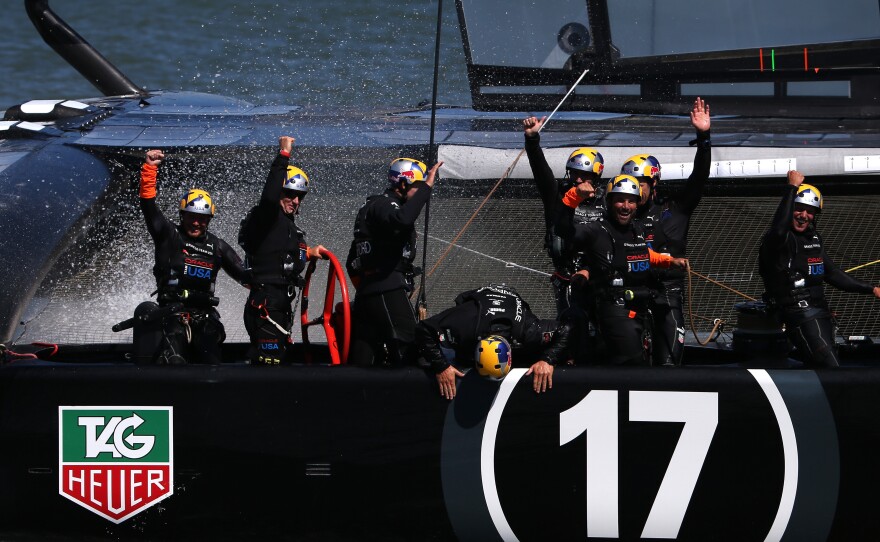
{"type": "Point", "coordinates": [596, 416]}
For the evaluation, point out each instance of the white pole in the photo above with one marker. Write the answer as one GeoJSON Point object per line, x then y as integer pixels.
{"type": "Point", "coordinates": [567, 94]}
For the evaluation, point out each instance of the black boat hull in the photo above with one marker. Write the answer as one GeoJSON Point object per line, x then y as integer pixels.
{"type": "Point", "coordinates": [318, 452]}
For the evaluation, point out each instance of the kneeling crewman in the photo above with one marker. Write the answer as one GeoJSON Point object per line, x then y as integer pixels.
{"type": "Point", "coordinates": [185, 325]}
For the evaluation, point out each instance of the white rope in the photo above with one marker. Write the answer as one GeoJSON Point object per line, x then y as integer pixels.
{"type": "Point", "coordinates": [574, 86]}
{"type": "Point", "coordinates": [276, 324]}
{"type": "Point", "coordinates": [506, 263]}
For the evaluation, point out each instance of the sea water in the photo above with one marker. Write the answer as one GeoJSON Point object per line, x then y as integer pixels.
{"type": "Point", "coordinates": [327, 53]}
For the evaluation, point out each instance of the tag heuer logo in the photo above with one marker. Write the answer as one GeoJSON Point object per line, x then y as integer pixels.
{"type": "Point", "coordinates": [115, 461]}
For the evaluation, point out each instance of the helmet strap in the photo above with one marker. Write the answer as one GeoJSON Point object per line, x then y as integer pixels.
{"type": "Point", "coordinates": [403, 188]}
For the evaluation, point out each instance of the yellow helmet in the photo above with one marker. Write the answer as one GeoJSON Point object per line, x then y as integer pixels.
{"type": "Point", "coordinates": [197, 201]}
{"type": "Point", "coordinates": [407, 171]}
{"type": "Point", "coordinates": [492, 357]}
{"type": "Point", "coordinates": [809, 195]}
{"type": "Point", "coordinates": [642, 165]}
{"type": "Point", "coordinates": [296, 180]}
{"type": "Point", "coordinates": [586, 159]}
{"type": "Point", "coordinates": [624, 184]}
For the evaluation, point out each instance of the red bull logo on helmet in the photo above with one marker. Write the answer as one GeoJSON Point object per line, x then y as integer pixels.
{"type": "Point", "coordinates": [406, 170]}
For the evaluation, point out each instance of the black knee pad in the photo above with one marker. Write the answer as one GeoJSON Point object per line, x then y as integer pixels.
{"type": "Point", "coordinates": [146, 334]}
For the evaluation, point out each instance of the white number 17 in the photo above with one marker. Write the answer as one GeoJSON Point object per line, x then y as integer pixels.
{"type": "Point", "coordinates": [597, 416]}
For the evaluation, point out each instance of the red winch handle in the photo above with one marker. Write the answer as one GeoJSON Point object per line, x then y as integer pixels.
{"type": "Point", "coordinates": [337, 273]}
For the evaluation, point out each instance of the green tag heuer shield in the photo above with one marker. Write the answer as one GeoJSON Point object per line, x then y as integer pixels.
{"type": "Point", "coordinates": [115, 461]}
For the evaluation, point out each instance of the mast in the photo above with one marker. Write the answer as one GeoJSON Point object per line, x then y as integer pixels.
{"type": "Point", "coordinates": [78, 52]}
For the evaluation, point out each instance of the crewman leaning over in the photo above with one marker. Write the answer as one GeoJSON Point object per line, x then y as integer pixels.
{"type": "Point", "coordinates": [494, 328]}
{"type": "Point", "coordinates": [185, 325]}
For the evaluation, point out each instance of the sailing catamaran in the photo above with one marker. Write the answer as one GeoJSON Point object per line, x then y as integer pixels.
{"type": "Point", "coordinates": [100, 447]}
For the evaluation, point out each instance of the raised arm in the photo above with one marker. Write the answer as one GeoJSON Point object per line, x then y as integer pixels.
{"type": "Point", "coordinates": [157, 224]}
{"type": "Point", "coordinates": [781, 224]}
{"type": "Point", "coordinates": [545, 181]}
{"type": "Point", "coordinates": [404, 216]}
{"type": "Point", "coordinates": [690, 197]}
{"type": "Point", "coordinates": [277, 172]}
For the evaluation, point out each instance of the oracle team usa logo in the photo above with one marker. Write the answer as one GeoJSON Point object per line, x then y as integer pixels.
{"type": "Point", "coordinates": [115, 461]}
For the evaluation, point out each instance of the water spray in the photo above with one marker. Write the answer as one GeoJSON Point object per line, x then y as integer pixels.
{"type": "Point", "coordinates": [507, 172]}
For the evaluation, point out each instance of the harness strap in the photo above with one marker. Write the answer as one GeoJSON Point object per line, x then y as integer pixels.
{"type": "Point", "coordinates": [264, 314]}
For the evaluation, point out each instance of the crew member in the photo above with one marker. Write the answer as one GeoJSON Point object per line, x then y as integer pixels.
{"type": "Point", "coordinates": [793, 263]}
{"type": "Point", "coordinates": [453, 335]}
{"type": "Point", "coordinates": [185, 325]}
{"type": "Point", "coordinates": [583, 168]}
{"type": "Point", "coordinates": [665, 219]}
{"type": "Point", "coordinates": [616, 268]}
{"type": "Point", "coordinates": [380, 264]}
{"type": "Point", "coordinates": [276, 253]}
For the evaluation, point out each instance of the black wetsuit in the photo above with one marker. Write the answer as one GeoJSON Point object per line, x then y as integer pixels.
{"type": "Point", "coordinates": [275, 252]}
{"type": "Point", "coordinates": [665, 223]}
{"type": "Point", "coordinates": [380, 265]}
{"type": "Point", "coordinates": [453, 334]}
{"type": "Point", "coordinates": [794, 267]}
{"type": "Point", "coordinates": [618, 262]}
{"type": "Point", "coordinates": [186, 270]}
{"type": "Point", "coordinates": [558, 247]}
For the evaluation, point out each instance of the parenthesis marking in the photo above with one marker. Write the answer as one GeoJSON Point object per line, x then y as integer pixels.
{"type": "Point", "coordinates": [487, 454]}
{"type": "Point", "coordinates": [790, 453]}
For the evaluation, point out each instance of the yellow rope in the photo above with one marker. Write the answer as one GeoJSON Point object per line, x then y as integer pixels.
{"type": "Point", "coordinates": [861, 266]}
{"type": "Point", "coordinates": [718, 322]}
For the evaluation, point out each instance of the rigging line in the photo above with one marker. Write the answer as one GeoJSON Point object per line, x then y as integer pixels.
{"type": "Point", "coordinates": [422, 299]}
{"type": "Point", "coordinates": [562, 101]}
{"type": "Point", "coordinates": [476, 212]}
{"type": "Point", "coordinates": [504, 176]}
{"type": "Point", "coordinates": [861, 266]}
{"type": "Point", "coordinates": [704, 277]}
{"type": "Point", "coordinates": [718, 321]}
{"type": "Point", "coordinates": [505, 262]}
{"type": "Point", "coordinates": [704, 318]}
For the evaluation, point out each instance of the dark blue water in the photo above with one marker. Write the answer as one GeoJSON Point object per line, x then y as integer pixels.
{"type": "Point", "coordinates": [328, 53]}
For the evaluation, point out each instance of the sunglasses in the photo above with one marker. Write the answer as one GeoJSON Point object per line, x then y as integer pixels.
{"type": "Point", "coordinates": [291, 194]}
